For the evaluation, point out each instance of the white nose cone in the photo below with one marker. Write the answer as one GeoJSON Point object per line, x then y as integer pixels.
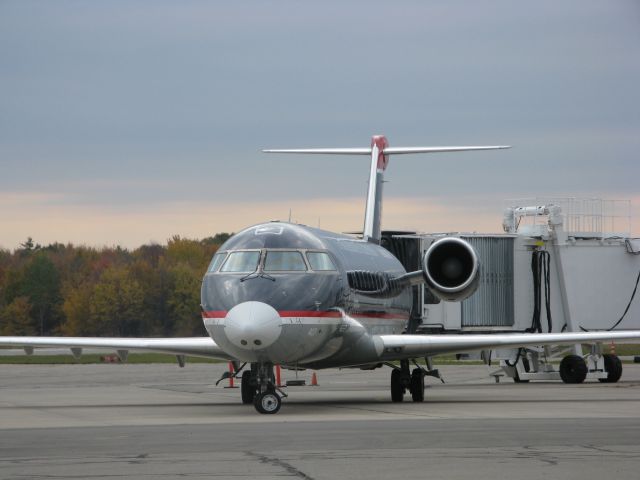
{"type": "Point", "coordinates": [252, 325]}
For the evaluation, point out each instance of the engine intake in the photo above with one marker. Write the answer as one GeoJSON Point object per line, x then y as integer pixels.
{"type": "Point", "coordinates": [451, 269]}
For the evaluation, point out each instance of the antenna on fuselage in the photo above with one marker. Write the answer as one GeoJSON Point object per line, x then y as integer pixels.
{"type": "Point", "coordinates": [379, 152]}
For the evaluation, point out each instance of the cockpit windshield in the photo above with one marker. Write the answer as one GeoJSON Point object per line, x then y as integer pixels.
{"type": "Point", "coordinates": [320, 261]}
{"type": "Point", "coordinates": [271, 260]}
{"type": "Point", "coordinates": [284, 261]}
{"type": "Point", "coordinates": [240, 262]}
{"type": "Point", "coordinates": [218, 258]}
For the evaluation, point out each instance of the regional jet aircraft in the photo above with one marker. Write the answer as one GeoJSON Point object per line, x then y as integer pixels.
{"type": "Point", "coordinates": [285, 294]}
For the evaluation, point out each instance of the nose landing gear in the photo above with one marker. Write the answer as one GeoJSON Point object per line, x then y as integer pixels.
{"type": "Point", "coordinates": [267, 402]}
{"type": "Point", "coordinates": [248, 389]}
{"type": "Point", "coordinates": [258, 387]}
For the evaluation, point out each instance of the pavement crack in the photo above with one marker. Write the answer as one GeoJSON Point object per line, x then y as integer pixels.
{"type": "Point", "coordinates": [139, 459]}
{"type": "Point", "coordinates": [597, 448]}
{"type": "Point", "coordinates": [278, 462]}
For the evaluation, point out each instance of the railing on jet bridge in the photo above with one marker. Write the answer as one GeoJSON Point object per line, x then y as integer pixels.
{"type": "Point", "coordinates": [583, 217]}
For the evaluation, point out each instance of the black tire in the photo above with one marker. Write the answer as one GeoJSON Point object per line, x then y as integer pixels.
{"type": "Point", "coordinates": [247, 388]}
{"type": "Point", "coordinates": [613, 367]}
{"type": "Point", "coordinates": [417, 385]}
{"type": "Point", "coordinates": [397, 389]}
{"type": "Point", "coordinates": [267, 402]}
{"type": "Point", "coordinates": [573, 369]}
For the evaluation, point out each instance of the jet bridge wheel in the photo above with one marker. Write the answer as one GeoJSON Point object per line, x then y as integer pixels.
{"type": "Point", "coordinates": [573, 369]}
{"type": "Point", "coordinates": [267, 402]}
{"type": "Point", "coordinates": [613, 367]}
{"type": "Point", "coordinates": [417, 385]}
{"type": "Point", "coordinates": [248, 388]}
{"type": "Point", "coordinates": [397, 388]}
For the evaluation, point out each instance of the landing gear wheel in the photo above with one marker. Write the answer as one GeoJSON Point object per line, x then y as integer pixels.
{"type": "Point", "coordinates": [417, 385]}
{"type": "Point", "coordinates": [267, 402]}
{"type": "Point", "coordinates": [613, 366]}
{"type": "Point", "coordinates": [247, 390]}
{"type": "Point", "coordinates": [573, 369]}
{"type": "Point", "coordinates": [397, 389]}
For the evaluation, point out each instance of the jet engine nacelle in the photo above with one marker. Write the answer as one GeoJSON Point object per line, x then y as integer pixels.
{"type": "Point", "coordinates": [451, 269]}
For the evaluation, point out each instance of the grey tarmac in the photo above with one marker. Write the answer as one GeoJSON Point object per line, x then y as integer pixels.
{"type": "Point", "coordinates": [160, 421]}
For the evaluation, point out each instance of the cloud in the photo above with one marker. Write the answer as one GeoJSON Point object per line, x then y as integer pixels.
{"type": "Point", "coordinates": [121, 123]}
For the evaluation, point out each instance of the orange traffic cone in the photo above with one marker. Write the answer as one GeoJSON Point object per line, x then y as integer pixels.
{"type": "Point", "coordinates": [231, 376]}
{"type": "Point", "coordinates": [314, 380]}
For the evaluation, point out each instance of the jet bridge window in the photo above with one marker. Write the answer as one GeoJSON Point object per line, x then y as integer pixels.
{"type": "Point", "coordinates": [240, 262]}
{"type": "Point", "coordinates": [283, 261]}
{"type": "Point", "coordinates": [320, 261]}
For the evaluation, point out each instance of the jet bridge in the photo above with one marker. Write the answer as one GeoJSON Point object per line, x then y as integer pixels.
{"type": "Point", "coordinates": [563, 264]}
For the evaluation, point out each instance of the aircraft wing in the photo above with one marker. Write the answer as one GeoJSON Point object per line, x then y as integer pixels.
{"type": "Point", "coordinates": [413, 346]}
{"type": "Point", "coordinates": [194, 346]}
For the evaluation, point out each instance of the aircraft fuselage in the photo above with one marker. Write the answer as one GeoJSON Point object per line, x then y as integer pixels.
{"type": "Point", "coordinates": [280, 293]}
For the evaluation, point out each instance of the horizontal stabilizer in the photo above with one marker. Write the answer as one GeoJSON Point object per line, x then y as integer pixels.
{"type": "Point", "coordinates": [327, 151]}
{"type": "Point", "coordinates": [404, 150]}
{"type": "Point", "coordinates": [386, 151]}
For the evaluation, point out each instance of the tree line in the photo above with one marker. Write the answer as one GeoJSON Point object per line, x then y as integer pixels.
{"type": "Point", "coordinates": [71, 290]}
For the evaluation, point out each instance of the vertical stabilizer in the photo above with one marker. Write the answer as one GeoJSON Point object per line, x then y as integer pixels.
{"type": "Point", "coordinates": [373, 211]}
{"type": "Point", "coordinates": [379, 153]}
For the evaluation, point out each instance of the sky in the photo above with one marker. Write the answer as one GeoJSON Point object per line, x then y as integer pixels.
{"type": "Point", "coordinates": [128, 122]}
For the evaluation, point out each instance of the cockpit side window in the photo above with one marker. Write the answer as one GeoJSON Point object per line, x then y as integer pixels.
{"type": "Point", "coordinates": [218, 258]}
{"type": "Point", "coordinates": [320, 261]}
{"type": "Point", "coordinates": [284, 261]}
{"type": "Point", "coordinates": [241, 262]}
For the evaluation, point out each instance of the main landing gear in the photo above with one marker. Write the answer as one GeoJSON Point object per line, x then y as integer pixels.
{"type": "Point", "coordinates": [403, 379]}
{"type": "Point", "coordinates": [258, 387]}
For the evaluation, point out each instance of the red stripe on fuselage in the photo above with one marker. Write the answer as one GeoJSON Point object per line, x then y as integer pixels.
{"type": "Point", "coordinates": [392, 316]}
{"type": "Point", "coordinates": [315, 313]}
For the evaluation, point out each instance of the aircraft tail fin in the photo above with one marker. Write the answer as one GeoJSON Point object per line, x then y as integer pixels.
{"type": "Point", "coordinates": [379, 152]}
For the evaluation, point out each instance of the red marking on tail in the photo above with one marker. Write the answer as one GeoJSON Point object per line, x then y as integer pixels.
{"type": "Point", "coordinates": [381, 142]}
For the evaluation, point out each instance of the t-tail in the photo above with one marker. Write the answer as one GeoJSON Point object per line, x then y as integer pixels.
{"type": "Point", "coordinates": [379, 153]}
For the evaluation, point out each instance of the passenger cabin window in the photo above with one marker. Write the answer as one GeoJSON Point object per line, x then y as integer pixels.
{"type": "Point", "coordinates": [218, 258]}
{"type": "Point", "coordinates": [241, 262]}
{"type": "Point", "coordinates": [320, 261]}
{"type": "Point", "coordinates": [277, 261]}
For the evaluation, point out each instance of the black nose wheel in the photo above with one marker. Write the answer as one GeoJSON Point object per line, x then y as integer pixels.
{"type": "Point", "coordinates": [267, 402]}
{"type": "Point", "coordinates": [248, 388]}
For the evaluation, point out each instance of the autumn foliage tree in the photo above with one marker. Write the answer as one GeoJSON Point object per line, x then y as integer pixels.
{"type": "Point", "coordinates": [153, 290]}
